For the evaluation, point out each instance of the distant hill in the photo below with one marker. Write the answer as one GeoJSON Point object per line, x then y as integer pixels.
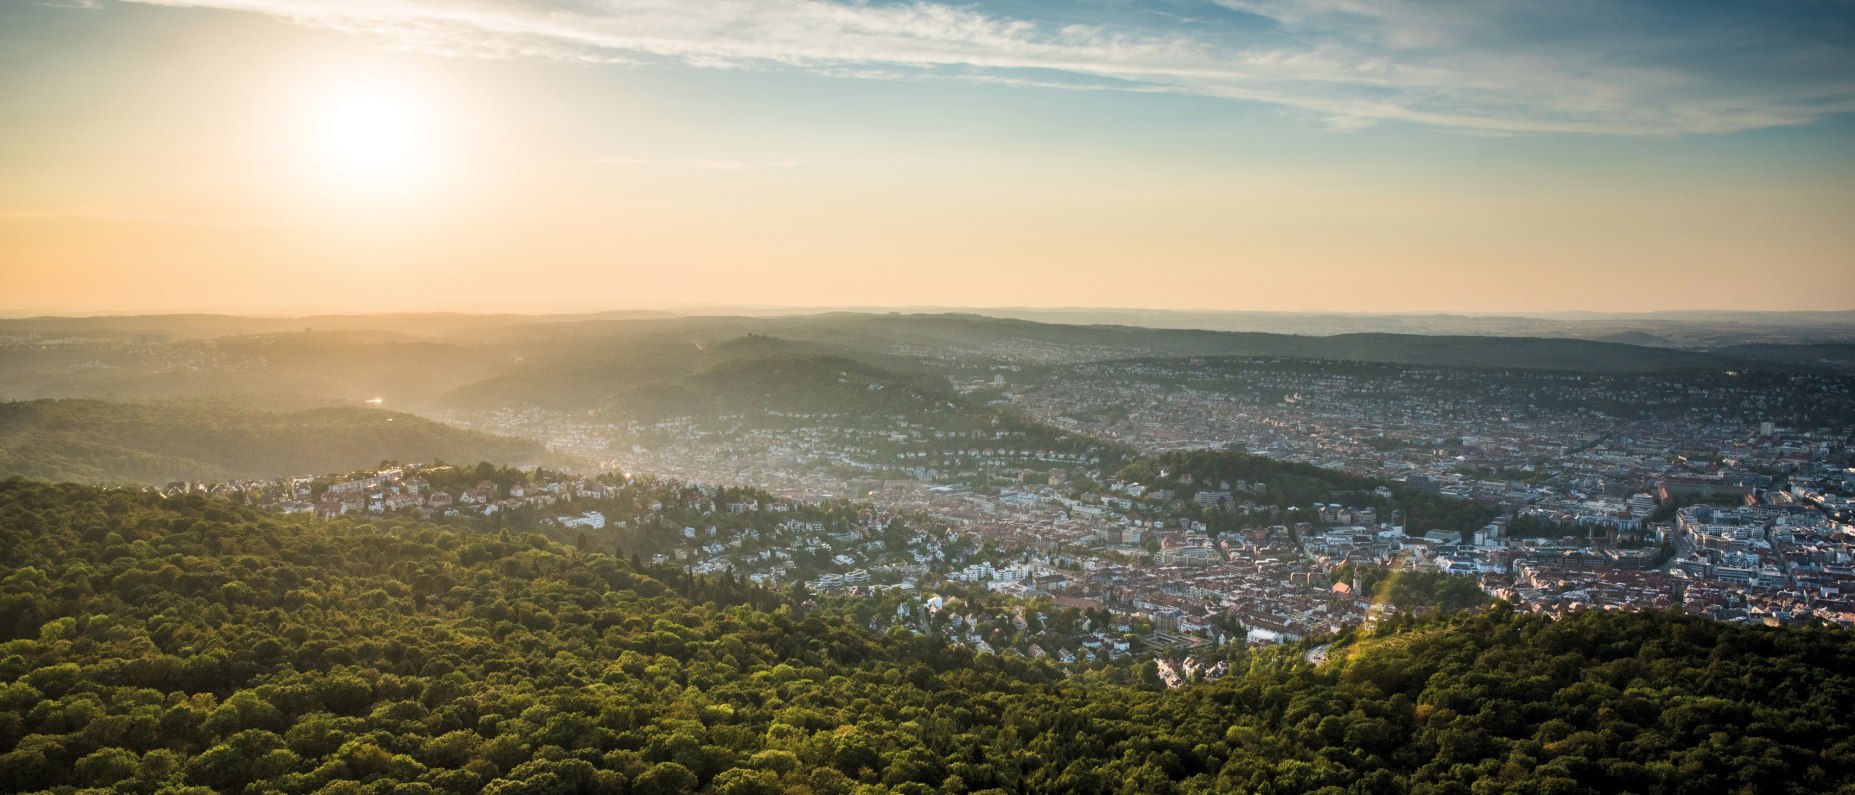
{"type": "Point", "coordinates": [1635, 338]}
{"type": "Point", "coordinates": [791, 383]}
{"type": "Point", "coordinates": [178, 327]}
{"type": "Point", "coordinates": [1687, 329]}
{"type": "Point", "coordinates": [615, 360]}
{"type": "Point", "coordinates": [942, 340]}
{"type": "Point", "coordinates": [319, 368]}
{"type": "Point", "coordinates": [101, 442]}
{"type": "Point", "coordinates": [1836, 356]}
{"type": "Point", "coordinates": [672, 375]}
{"type": "Point", "coordinates": [985, 336]}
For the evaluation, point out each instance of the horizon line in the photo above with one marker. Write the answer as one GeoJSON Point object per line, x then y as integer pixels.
{"type": "Point", "coordinates": [711, 309]}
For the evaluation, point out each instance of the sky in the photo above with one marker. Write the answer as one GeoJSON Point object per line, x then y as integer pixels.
{"type": "Point", "coordinates": [280, 156]}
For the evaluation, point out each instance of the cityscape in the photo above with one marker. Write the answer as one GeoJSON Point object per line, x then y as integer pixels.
{"type": "Point", "coordinates": [1600, 493]}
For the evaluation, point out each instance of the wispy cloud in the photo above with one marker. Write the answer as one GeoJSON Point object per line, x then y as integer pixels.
{"type": "Point", "coordinates": [1638, 67]}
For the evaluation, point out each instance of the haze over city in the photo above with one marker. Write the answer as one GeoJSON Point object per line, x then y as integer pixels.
{"type": "Point", "coordinates": [278, 156]}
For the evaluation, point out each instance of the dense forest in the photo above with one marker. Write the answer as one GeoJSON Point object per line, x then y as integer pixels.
{"type": "Point", "coordinates": [100, 442]}
{"type": "Point", "coordinates": [193, 645]}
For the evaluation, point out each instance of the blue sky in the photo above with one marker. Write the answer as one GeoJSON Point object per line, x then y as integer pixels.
{"type": "Point", "coordinates": [1588, 66]}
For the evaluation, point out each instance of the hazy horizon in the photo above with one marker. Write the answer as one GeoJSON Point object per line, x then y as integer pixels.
{"type": "Point", "coordinates": [750, 309]}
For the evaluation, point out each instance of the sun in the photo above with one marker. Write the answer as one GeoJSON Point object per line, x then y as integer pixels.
{"type": "Point", "coordinates": [370, 130]}
{"type": "Point", "coordinates": [367, 136]}
{"type": "Point", "coordinates": [374, 135]}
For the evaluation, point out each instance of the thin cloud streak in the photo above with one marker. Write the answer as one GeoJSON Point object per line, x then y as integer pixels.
{"type": "Point", "coordinates": [1349, 63]}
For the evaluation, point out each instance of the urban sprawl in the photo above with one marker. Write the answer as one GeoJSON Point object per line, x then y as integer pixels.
{"type": "Point", "coordinates": [1723, 494]}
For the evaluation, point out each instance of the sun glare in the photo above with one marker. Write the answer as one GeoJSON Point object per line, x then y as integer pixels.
{"type": "Point", "coordinates": [371, 132]}
{"type": "Point", "coordinates": [373, 135]}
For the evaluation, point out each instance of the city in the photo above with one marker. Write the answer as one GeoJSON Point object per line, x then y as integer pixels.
{"type": "Point", "coordinates": [1581, 509]}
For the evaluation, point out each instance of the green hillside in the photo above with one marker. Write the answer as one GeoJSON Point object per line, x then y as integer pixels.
{"type": "Point", "coordinates": [997, 336]}
{"type": "Point", "coordinates": [175, 327]}
{"type": "Point", "coordinates": [1831, 356]}
{"type": "Point", "coordinates": [879, 363]}
{"type": "Point", "coordinates": [320, 368]}
{"type": "Point", "coordinates": [577, 363]}
{"type": "Point", "coordinates": [793, 382]}
{"type": "Point", "coordinates": [100, 442]}
{"type": "Point", "coordinates": [675, 376]}
{"type": "Point", "coordinates": [191, 645]}
{"type": "Point", "coordinates": [1298, 485]}
{"type": "Point", "coordinates": [976, 338]}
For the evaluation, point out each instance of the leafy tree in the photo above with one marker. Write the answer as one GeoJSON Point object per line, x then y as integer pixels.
{"type": "Point", "coordinates": [665, 778]}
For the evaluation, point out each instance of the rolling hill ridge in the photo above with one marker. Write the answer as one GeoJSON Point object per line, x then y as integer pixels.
{"type": "Point", "coordinates": [101, 442]}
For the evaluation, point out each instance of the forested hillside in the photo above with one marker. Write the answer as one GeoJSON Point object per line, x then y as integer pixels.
{"type": "Point", "coordinates": [96, 441]}
{"type": "Point", "coordinates": [668, 376]}
{"type": "Point", "coordinates": [190, 645]}
{"type": "Point", "coordinates": [587, 362]}
{"type": "Point", "coordinates": [973, 333]}
{"type": "Point", "coordinates": [262, 371]}
{"type": "Point", "coordinates": [1291, 483]}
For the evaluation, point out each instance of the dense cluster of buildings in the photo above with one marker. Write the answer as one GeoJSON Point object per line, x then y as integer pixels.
{"type": "Point", "coordinates": [1599, 463]}
{"type": "Point", "coordinates": [1466, 430]}
{"type": "Point", "coordinates": [1585, 475]}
